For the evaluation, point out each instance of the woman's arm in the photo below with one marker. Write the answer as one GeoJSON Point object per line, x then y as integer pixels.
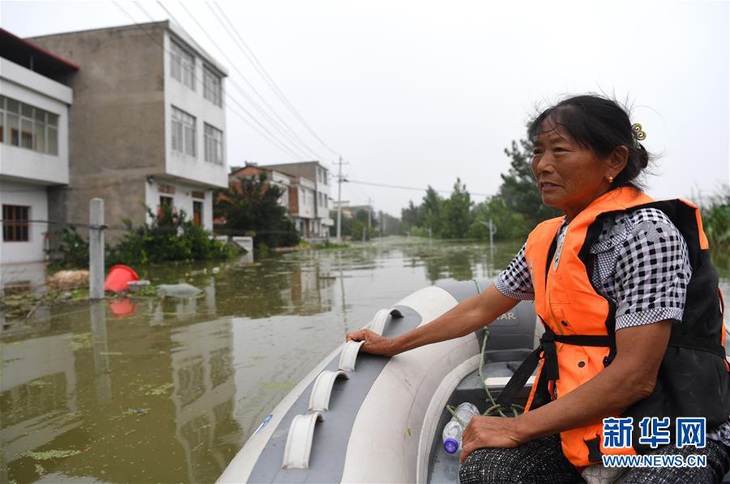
{"type": "Point", "coordinates": [629, 378]}
{"type": "Point", "coordinates": [466, 317]}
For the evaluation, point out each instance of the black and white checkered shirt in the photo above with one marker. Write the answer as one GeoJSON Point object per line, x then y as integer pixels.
{"type": "Point", "coordinates": [642, 265]}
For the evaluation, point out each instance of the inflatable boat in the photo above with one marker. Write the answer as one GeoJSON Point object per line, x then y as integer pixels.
{"type": "Point", "coordinates": [363, 418]}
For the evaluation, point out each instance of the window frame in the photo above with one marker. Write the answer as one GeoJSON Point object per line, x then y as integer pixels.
{"type": "Point", "coordinates": [16, 229]}
{"type": "Point", "coordinates": [183, 132]}
{"type": "Point", "coordinates": [213, 141]}
{"type": "Point", "coordinates": [182, 64]}
{"type": "Point", "coordinates": [28, 127]}
{"type": "Point", "coordinates": [212, 86]}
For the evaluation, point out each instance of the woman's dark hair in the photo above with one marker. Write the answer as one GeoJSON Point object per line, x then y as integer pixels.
{"type": "Point", "coordinates": [599, 124]}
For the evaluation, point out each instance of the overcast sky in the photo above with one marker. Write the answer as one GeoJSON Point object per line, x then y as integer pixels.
{"type": "Point", "coordinates": [417, 93]}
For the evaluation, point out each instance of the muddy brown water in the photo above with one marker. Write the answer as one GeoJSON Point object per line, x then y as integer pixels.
{"type": "Point", "coordinates": [151, 389]}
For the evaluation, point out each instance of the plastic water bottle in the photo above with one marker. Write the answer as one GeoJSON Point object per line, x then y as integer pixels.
{"type": "Point", "coordinates": [453, 430]}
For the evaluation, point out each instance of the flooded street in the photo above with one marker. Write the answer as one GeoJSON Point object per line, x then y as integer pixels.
{"type": "Point", "coordinates": [153, 389]}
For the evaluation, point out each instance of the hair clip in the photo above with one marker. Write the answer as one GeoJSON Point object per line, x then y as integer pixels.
{"type": "Point", "coordinates": [638, 133]}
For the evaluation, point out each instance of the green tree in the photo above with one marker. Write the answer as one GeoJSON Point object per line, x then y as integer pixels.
{"type": "Point", "coordinates": [251, 206]}
{"type": "Point", "coordinates": [455, 213]}
{"type": "Point", "coordinates": [519, 190]}
{"type": "Point", "coordinates": [431, 209]}
{"type": "Point", "coordinates": [411, 216]}
{"type": "Point", "coordinates": [510, 225]}
{"type": "Point", "coordinates": [364, 227]}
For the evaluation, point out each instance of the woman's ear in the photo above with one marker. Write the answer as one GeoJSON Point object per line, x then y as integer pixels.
{"type": "Point", "coordinates": [618, 159]}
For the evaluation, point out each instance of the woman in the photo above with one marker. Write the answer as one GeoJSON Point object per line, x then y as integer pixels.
{"type": "Point", "coordinates": [628, 296]}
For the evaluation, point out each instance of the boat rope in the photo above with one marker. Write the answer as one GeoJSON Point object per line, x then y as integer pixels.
{"type": "Point", "coordinates": [495, 409]}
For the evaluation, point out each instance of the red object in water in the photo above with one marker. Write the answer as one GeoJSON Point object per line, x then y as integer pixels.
{"type": "Point", "coordinates": [123, 308]}
{"type": "Point", "coordinates": [119, 278]}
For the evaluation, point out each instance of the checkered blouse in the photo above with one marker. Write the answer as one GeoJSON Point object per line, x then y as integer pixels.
{"type": "Point", "coordinates": [642, 265]}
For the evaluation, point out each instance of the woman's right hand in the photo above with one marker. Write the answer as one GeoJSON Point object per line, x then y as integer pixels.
{"type": "Point", "coordinates": [373, 342]}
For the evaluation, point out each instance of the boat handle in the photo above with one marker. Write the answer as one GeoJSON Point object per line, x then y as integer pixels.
{"type": "Point", "coordinates": [319, 400]}
{"type": "Point", "coordinates": [383, 317]}
{"type": "Point", "coordinates": [349, 355]}
{"type": "Point", "coordinates": [299, 441]}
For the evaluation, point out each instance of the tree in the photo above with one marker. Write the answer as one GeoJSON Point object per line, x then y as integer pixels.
{"type": "Point", "coordinates": [456, 217]}
{"type": "Point", "coordinates": [519, 190]}
{"type": "Point", "coordinates": [251, 205]}
{"type": "Point", "coordinates": [510, 225]}
{"type": "Point", "coordinates": [412, 216]}
{"type": "Point", "coordinates": [431, 210]}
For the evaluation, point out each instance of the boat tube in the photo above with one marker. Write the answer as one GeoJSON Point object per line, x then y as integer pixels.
{"type": "Point", "coordinates": [364, 418]}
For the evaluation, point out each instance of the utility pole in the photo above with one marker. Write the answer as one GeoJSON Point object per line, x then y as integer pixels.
{"type": "Point", "coordinates": [370, 213]}
{"type": "Point", "coordinates": [339, 201]}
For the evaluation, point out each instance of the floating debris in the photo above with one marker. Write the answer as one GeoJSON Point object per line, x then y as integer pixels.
{"type": "Point", "coordinates": [52, 454]}
{"type": "Point", "coordinates": [82, 341]}
{"type": "Point", "coordinates": [138, 411]}
{"type": "Point", "coordinates": [156, 391]}
{"type": "Point", "coordinates": [178, 290]}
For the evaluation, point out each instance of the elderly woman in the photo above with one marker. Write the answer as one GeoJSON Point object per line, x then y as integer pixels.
{"type": "Point", "coordinates": [633, 317]}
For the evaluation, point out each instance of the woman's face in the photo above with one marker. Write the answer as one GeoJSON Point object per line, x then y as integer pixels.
{"type": "Point", "coordinates": [568, 175]}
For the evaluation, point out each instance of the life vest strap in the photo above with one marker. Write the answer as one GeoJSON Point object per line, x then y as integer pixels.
{"type": "Point", "coordinates": [547, 351]}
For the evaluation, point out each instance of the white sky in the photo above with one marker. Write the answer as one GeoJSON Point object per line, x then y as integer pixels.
{"type": "Point", "coordinates": [416, 93]}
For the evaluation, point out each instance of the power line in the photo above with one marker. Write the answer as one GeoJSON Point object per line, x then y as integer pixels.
{"type": "Point", "coordinates": [400, 187]}
{"type": "Point", "coordinates": [291, 135]}
{"type": "Point", "coordinates": [274, 87]}
{"type": "Point", "coordinates": [266, 134]}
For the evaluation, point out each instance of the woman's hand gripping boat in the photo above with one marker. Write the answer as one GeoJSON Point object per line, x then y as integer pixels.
{"type": "Point", "coordinates": [363, 418]}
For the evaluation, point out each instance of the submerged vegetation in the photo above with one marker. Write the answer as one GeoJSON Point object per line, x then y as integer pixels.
{"type": "Point", "coordinates": [170, 237]}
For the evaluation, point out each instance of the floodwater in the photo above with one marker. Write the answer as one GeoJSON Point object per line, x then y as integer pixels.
{"type": "Point", "coordinates": [154, 389]}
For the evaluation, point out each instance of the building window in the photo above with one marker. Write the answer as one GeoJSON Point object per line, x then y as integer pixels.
{"type": "Point", "coordinates": [212, 87]}
{"type": "Point", "coordinates": [182, 65]}
{"type": "Point", "coordinates": [183, 132]}
{"type": "Point", "coordinates": [197, 213]}
{"type": "Point", "coordinates": [213, 145]}
{"type": "Point", "coordinates": [15, 223]}
{"type": "Point", "coordinates": [28, 127]}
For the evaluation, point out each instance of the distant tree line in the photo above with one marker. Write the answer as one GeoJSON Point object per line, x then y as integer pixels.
{"type": "Point", "coordinates": [514, 210]}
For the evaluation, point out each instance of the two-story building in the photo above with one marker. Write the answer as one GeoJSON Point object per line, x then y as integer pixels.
{"type": "Point", "coordinates": [148, 124]}
{"type": "Point", "coordinates": [35, 101]}
{"type": "Point", "coordinates": [310, 187]}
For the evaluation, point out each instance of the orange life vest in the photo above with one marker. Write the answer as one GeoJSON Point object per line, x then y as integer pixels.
{"type": "Point", "coordinates": [579, 324]}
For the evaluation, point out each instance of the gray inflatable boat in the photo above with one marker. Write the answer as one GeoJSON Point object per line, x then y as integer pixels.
{"type": "Point", "coordinates": [363, 418]}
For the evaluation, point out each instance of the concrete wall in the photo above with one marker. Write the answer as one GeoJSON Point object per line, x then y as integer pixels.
{"type": "Point", "coordinates": [117, 125]}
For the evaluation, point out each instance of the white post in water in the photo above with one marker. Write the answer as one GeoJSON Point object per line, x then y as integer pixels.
{"type": "Point", "coordinates": [96, 249]}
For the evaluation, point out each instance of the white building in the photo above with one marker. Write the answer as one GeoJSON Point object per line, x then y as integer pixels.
{"type": "Point", "coordinates": [318, 223]}
{"type": "Point", "coordinates": [148, 124]}
{"type": "Point", "coordinates": [34, 148]}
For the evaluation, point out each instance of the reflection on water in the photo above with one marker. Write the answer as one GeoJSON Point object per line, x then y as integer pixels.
{"type": "Point", "coordinates": [163, 389]}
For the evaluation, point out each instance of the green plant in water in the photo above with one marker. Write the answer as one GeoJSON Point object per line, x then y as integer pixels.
{"type": "Point", "coordinates": [72, 251]}
{"type": "Point", "coordinates": [170, 237]}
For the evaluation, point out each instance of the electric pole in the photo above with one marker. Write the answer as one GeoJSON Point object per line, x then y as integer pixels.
{"type": "Point", "coordinates": [339, 201]}
{"type": "Point", "coordinates": [370, 214]}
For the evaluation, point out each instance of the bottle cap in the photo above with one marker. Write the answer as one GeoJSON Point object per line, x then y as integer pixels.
{"type": "Point", "coordinates": [451, 445]}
